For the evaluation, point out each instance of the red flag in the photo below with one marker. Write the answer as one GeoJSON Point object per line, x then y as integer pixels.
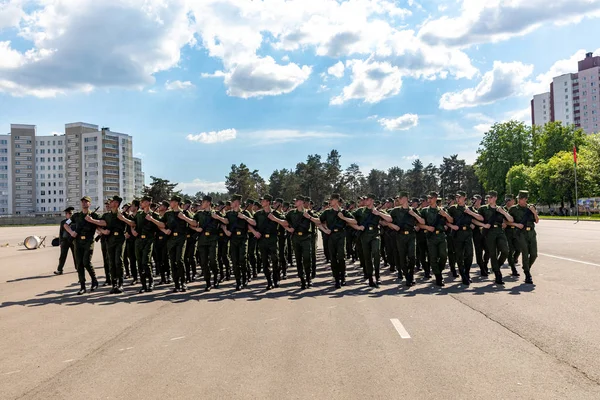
{"type": "Point", "coordinates": [575, 154]}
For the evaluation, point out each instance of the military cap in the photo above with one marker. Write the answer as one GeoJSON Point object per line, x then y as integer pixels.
{"type": "Point", "coordinates": [257, 203]}
{"type": "Point", "coordinates": [279, 200]}
{"type": "Point", "coordinates": [377, 202]}
{"type": "Point", "coordinates": [523, 194]}
{"type": "Point", "coordinates": [86, 198]}
{"type": "Point", "coordinates": [176, 198]}
{"type": "Point", "coordinates": [326, 203]}
{"type": "Point", "coordinates": [268, 197]}
{"type": "Point", "coordinates": [153, 205]}
{"type": "Point", "coordinates": [165, 203]}
{"type": "Point", "coordinates": [335, 196]}
{"type": "Point", "coordinates": [69, 209]}
{"type": "Point", "coordinates": [116, 198]}
{"type": "Point", "coordinates": [249, 202]}
{"type": "Point", "coordinates": [207, 198]}
{"type": "Point", "coordinates": [509, 197]}
{"type": "Point", "coordinates": [147, 198]}
{"type": "Point", "coordinates": [286, 203]}
{"type": "Point", "coordinates": [476, 197]}
{"type": "Point", "coordinates": [236, 197]}
{"type": "Point", "coordinates": [126, 205]}
{"type": "Point", "coordinates": [352, 203]}
{"type": "Point", "coordinates": [371, 196]}
{"type": "Point", "coordinates": [187, 201]}
{"type": "Point", "coordinates": [228, 203]}
{"type": "Point", "coordinates": [433, 194]}
{"type": "Point", "coordinates": [307, 199]}
{"type": "Point", "coordinates": [220, 203]}
{"type": "Point", "coordinates": [107, 202]}
{"type": "Point", "coordinates": [389, 200]}
{"type": "Point", "coordinates": [493, 193]}
{"type": "Point", "coordinates": [461, 193]}
{"type": "Point", "coordinates": [135, 203]}
{"type": "Point", "coordinates": [415, 200]}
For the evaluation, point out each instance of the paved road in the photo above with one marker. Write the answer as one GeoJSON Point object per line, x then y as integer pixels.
{"type": "Point", "coordinates": [522, 341]}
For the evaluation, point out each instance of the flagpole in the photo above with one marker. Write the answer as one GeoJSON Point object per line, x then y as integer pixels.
{"type": "Point", "coordinates": [576, 196]}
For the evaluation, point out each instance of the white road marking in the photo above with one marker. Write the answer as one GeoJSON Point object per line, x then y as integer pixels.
{"type": "Point", "coordinates": [332, 307]}
{"type": "Point", "coordinates": [178, 338]}
{"type": "Point", "coordinates": [12, 372]}
{"type": "Point", "coordinates": [272, 319]}
{"type": "Point", "coordinates": [129, 348]}
{"type": "Point", "coordinates": [569, 259]}
{"type": "Point", "coordinates": [223, 329]}
{"type": "Point", "coordinates": [68, 361]}
{"type": "Point", "coordinates": [400, 328]}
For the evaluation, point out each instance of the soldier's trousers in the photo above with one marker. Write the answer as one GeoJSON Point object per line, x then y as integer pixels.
{"type": "Point", "coordinates": [281, 247]}
{"type": "Point", "coordinates": [130, 255]}
{"type": "Point", "coordinates": [325, 240]}
{"type": "Point", "coordinates": [143, 255]}
{"type": "Point", "coordinates": [313, 253]}
{"type": "Point", "coordinates": [302, 253]}
{"type": "Point", "coordinates": [437, 251]}
{"type": "Point", "coordinates": [382, 252]}
{"type": "Point", "coordinates": [371, 246]}
{"type": "Point", "coordinates": [290, 249]}
{"type": "Point", "coordinates": [269, 259]}
{"type": "Point", "coordinates": [237, 252]}
{"type": "Point", "coordinates": [115, 246]}
{"type": "Point", "coordinates": [208, 261]}
{"type": "Point", "coordinates": [389, 240]}
{"type": "Point", "coordinates": [223, 256]}
{"type": "Point", "coordinates": [84, 249]}
{"type": "Point", "coordinates": [65, 246]}
{"type": "Point", "coordinates": [527, 244]}
{"type": "Point", "coordinates": [252, 261]}
{"type": "Point", "coordinates": [176, 254]}
{"type": "Point", "coordinates": [337, 243]}
{"type": "Point", "coordinates": [452, 257]}
{"type": "Point", "coordinates": [406, 244]}
{"type": "Point", "coordinates": [513, 251]}
{"type": "Point", "coordinates": [103, 242]}
{"type": "Point", "coordinates": [161, 259]}
{"type": "Point", "coordinates": [189, 258]}
{"type": "Point", "coordinates": [478, 243]}
{"type": "Point", "coordinates": [349, 243]}
{"type": "Point", "coordinates": [422, 252]}
{"type": "Point", "coordinates": [463, 247]}
{"type": "Point", "coordinates": [497, 247]}
{"type": "Point", "coordinates": [361, 255]}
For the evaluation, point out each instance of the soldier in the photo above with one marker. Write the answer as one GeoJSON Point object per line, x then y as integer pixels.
{"type": "Point", "coordinates": [288, 238]}
{"type": "Point", "coordinates": [176, 227]}
{"type": "Point", "coordinates": [265, 231]}
{"type": "Point", "coordinates": [207, 226]}
{"type": "Point", "coordinates": [162, 257]}
{"type": "Point", "coordinates": [65, 242]}
{"type": "Point", "coordinates": [422, 256]}
{"type": "Point", "coordinates": [308, 204]}
{"type": "Point", "coordinates": [350, 253]}
{"type": "Point", "coordinates": [190, 245]}
{"type": "Point", "coordinates": [130, 240]}
{"type": "Point", "coordinates": [368, 225]}
{"type": "Point", "coordinates": [495, 239]}
{"type": "Point", "coordinates": [334, 221]}
{"type": "Point", "coordinates": [147, 224]}
{"type": "Point", "coordinates": [252, 262]}
{"type": "Point", "coordinates": [281, 242]}
{"type": "Point", "coordinates": [103, 241]}
{"type": "Point", "coordinates": [450, 201]}
{"type": "Point", "coordinates": [114, 224]}
{"type": "Point", "coordinates": [357, 214]}
{"type": "Point", "coordinates": [513, 253]}
{"type": "Point", "coordinates": [435, 220]}
{"type": "Point", "coordinates": [404, 221]}
{"type": "Point", "coordinates": [478, 239]}
{"type": "Point", "coordinates": [325, 236]}
{"type": "Point", "coordinates": [236, 229]}
{"type": "Point", "coordinates": [223, 247]}
{"type": "Point", "coordinates": [298, 221]}
{"type": "Point", "coordinates": [82, 231]}
{"type": "Point", "coordinates": [462, 235]}
{"type": "Point", "coordinates": [388, 239]}
{"type": "Point", "coordinates": [525, 217]}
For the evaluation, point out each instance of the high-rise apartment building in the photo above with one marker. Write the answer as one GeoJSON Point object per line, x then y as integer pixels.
{"type": "Point", "coordinates": [45, 174]}
{"type": "Point", "coordinates": [573, 98]}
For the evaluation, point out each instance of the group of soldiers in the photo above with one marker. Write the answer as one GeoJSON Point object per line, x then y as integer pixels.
{"type": "Point", "coordinates": [186, 240]}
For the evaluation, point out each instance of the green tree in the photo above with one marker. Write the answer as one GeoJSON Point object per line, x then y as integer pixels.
{"type": "Point", "coordinates": [414, 179]}
{"type": "Point", "coordinates": [553, 138]}
{"type": "Point", "coordinates": [520, 177]}
{"type": "Point", "coordinates": [352, 180]}
{"type": "Point", "coordinates": [452, 175]}
{"type": "Point", "coordinates": [377, 182]}
{"type": "Point", "coordinates": [333, 172]}
{"type": "Point", "coordinates": [245, 182]}
{"type": "Point", "coordinates": [472, 185]}
{"type": "Point", "coordinates": [159, 189]}
{"type": "Point", "coordinates": [504, 145]}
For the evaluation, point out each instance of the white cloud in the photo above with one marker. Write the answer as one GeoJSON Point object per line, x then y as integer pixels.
{"type": "Point", "coordinates": [402, 123]}
{"type": "Point", "coordinates": [285, 58]}
{"type": "Point", "coordinates": [523, 115]}
{"type": "Point", "coordinates": [213, 137]}
{"type": "Point", "coordinates": [11, 13]}
{"type": "Point", "coordinates": [503, 81]}
{"type": "Point", "coordinates": [139, 38]}
{"type": "Point", "coordinates": [200, 185]}
{"type": "Point", "coordinates": [179, 85]}
{"type": "Point", "coordinates": [482, 128]}
{"type": "Point", "coordinates": [371, 82]}
{"type": "Point", "coordinates": [496, 20]}
{"type": "Point", "coordinates": [336, 70]}
{"type": "Point", "coordinates": [151, 91]}
{"type": "Point", "coordinates": [413, 157]}
{"type": "Point", "coordinates": [277, 136]}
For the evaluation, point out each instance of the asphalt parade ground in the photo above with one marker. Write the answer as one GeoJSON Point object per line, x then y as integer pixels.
{"type": "Point", "coordinates": [521, 341]}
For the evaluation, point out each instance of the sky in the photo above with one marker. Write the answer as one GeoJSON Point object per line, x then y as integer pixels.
{"type": "Point", "coordinates": [204, 84]}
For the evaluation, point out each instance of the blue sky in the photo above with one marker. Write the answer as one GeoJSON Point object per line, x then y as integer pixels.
{"type": "Point", "coordinates": [201, 85]}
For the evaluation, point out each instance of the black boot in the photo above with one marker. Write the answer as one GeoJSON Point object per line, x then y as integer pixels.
{"type": "Point", "coordinates": [528, 278]}
{"type": "Point", "coordinates": [82, 290]}
{"type": "Point", "coordinates": [119, 288]}
{"type": "Point", "coordinates": [114, 287]}
{"type": "Point", "coordinates": [338, 285]}
{"type": "Point", "coordinates": [94, 284]}
{"type": "Point", "coordinates": [302, 284]}
{"type": "Point", "coordinates": [484, 271]}
{"type": "Point", "coordinates": [454, 272]}
{"type": "Point", "coordinates": [439, 281]}
{"type": "Point", "coordinates": [498, 280]}
{"type": "Point", "coordinates": [514, 271]}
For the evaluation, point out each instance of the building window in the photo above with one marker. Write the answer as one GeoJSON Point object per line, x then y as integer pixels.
{"type": "Point", "coordinates": [565, 83]}
{"type": "Point", "coordinates": [566, 96]}
{"type": "Point", "coordinates": [566, 90]}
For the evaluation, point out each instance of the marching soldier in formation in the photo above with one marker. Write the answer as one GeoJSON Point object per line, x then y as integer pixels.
{"type": "Point", "coordinates": [478, 239]}
{"type": "Point", "coordinates": [525, 217]}
{"type": "Point", "coordinates": [281, 239]}
{"type": "Point", "coordinates": [513, 253]}
{"type": "Point", "coordinates": [130, 240]}
{"type": "Point", "coordinates": [252, 261]}
{"type": "Point", "coordinates": [103, 241]}
{"type": "Point", "coordinates": [223, 245]}
{"type": "Point", "coordinates": [298, 227]}
{"type": "Point", "coordinates": [236, 229]}
{"type": "Point", "coordinates": [450, 201]}
{"type": "Point", "coordinates": [176, 227]}
{"type": "Point", "coordinates": [422, 256]}
{"type": "Point", "coordinates": [162, 257]}
{"type": "Point", "coordinates": [190, 245]}
{"type": "Point", "coordinates": [65, 242]}
{"type": "Point", "coordinates": [308, 204]}
{"type": "Point", "coordinates": [435, 219]}
{"type": "Point", "coordinates": [147, 224]}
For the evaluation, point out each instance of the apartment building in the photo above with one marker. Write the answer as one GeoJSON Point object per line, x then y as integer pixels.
{"type": "Point", "coordinates": [139, 180]}
{"type": "Point", "coordinates": [5, 175]}
{"type": "Point", "coordinates": [50, 173]}
{"type": "Point", "coordinates": [573, 98]}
